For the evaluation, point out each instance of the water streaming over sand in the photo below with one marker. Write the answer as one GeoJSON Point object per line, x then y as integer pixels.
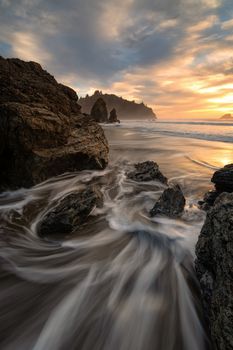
{"type": "Point", "coordinates": [124, 281]}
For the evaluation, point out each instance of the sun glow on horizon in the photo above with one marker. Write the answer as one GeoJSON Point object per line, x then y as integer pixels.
{"type": "Point", "coordinates": [176, 59]}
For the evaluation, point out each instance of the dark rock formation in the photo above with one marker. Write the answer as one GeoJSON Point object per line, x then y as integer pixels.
{"type": "Point", "coordinates": [113, 117]}
{"type": "Point", "coordinates": [42, 132]}
{"type": "Point", "coordinates": [28, 83]}
{"type": "Point", "coordinates": [147, 171]}
{"type": "Point", "coordinates": [214, 266]}
{"type": "Point", "coordinates": [99, 111]}
{"type": "Point", "coordinates": [68, 214]}
{"type": "Point", "coordinates": [208, 200]}
{"type": "Point", "coordinates": [125, 109]}
{"type": "Point", "coordinates": [223, 180]}
{"type": "Point", "coordinates": [171, 203]}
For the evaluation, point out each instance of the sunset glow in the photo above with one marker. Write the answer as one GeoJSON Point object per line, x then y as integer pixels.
{"type": "Point", "coordinates": [177, 58]}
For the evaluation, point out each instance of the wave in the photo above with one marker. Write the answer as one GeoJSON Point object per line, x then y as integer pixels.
{"type": "Point", "coordinates": [127, 284]}
{"type": "Point", "coordinates": [195, 135]}
{"type": "Point", "coordinates": [213, 133]}
{"type": "Point", "coordinates": [217, 123]}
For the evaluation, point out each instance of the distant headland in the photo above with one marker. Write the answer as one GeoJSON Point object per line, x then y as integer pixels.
{"type": "Point", "coordinates": [227, 116]}
{"type": "Point", "coordinates": [125, 109]}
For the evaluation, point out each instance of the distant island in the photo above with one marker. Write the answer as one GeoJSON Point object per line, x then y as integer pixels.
{"type": "Point", "coordinates": [125, 109]}
{"type": "Point", "coordinates": [227, 116]}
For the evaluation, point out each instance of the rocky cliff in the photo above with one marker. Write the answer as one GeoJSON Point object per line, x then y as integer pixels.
{"type": "Point", "coordinates": [214, 263]}
{"type": "Point", "coordinates": [125, 109]}
{"type": "Point", "coordinates": [42, 130]}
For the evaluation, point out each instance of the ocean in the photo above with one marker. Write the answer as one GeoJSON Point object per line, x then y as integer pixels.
{"type": "Point", "coordinates": [124, 280]}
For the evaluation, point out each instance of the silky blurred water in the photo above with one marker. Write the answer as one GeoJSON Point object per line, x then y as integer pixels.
{"type": "Point", "coordinates": [123, 281]}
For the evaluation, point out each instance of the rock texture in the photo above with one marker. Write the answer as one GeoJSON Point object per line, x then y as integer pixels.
{"type": "Point", "coordinates": [70, 212]}
{"type": "Point", "coordinates": [42, 131]}
{"type": "Point", "coordinates": [171, 203]}
{"type": "Point", "coordinates": [99, 111]}
{"type": "Point", "coordinates": [28, 83]}
{"type": "Point", "coordinates": [113, 117]}
{"type": "Point", "coordinates": [223, 181]}
{"type": "Point", "coordinates": [214, 266]}
{"type": "Point", "coordinates": [147, 171]}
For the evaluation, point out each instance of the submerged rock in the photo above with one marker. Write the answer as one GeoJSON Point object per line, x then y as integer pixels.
{"type": "Point", "coordinates": [147, 171]}
{"type": "Point", "coordinates": [42, 131]}
{"type": "Point", "coordinates": [99, 111]}
{"type": "Point", "coordinates": [70, 212]}
{"type": "Point", "coordinates": [113, 117]}
{"type": "Point", "coordinates": [171, 203]}
{"type": "Point", "coordinates": [214, 266]}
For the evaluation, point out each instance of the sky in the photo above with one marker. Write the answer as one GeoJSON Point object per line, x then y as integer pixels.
{"type": "Point", "coordinates": [175, 55]}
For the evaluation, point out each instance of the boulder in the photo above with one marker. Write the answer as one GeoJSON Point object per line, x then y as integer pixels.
{"type": "Point", "coordinates": [70, 212]}
{"type": "Point", "coordinates": [147, 171]}
{"type": "Point", "coordinates": [28, 83]}
{"type": "Point", "coordinates": [171, 203]}
{"type": "Point", "coordinates": [214, 266]}
{"type": "Point", "coordinates": [223, 179]}
{"type": "Point", "coordinates": [113, 117]}
{"type": "Point", "coordinates": [42, 131]}
{"type": "Point", "coordinates": [209, 199]}
{"type": "Point", "coordinates": [99, 111]}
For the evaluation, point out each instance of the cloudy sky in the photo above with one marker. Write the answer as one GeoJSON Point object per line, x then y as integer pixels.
{"type": "Point", "coordinates": [175, 55]}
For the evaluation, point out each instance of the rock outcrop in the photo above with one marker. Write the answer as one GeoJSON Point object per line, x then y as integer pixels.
{"type": "Point", "coordinates": [125, 109]}
{"type": "Point", "coordinates": [70, 212]}
{"type": "Point", "coordinates": [147, 171]}
{"type": "Point", "coordinates": [29, 84]}
{"type": "Point", "coordinates": [113, 117]}
{"type": "Point", "coordinates": [42, 131]}
{"type": "Point", "coordinates": [223, 181]}
{"type": "Point", "coordinates": [171, 203]}
{"type": "Point", "coordinates": [214, 266]}
{"type": "Point", "coordinates": [99, 111]}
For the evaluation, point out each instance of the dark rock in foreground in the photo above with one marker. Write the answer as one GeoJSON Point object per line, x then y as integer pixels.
{"type": "Point", "coordinates": [147, 171]}
{"type": "Point", "coordinates": [99, 111]}
{"type": "Point", "coordinates": [29, 84]}
{"type": "Point", "coordinates": [42, 131]}
{"type": "Point", "coordinates": [70, 212]}
{"type": "Point", "coordinates": [171, 203]}
{"type": "Point", "coordinates": [223, 179]}
{"type": "Point", "coordinates": [209, 199]}
{"type": "Point", "coordinates": [214, 266]}
{"type": "Point", "coordinates": [113, 117]}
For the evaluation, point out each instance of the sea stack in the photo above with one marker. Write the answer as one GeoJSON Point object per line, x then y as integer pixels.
{"type": "Point", "coordinates": [99, 111]}
{"type": "Point", "coordinates": [113, 117]}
